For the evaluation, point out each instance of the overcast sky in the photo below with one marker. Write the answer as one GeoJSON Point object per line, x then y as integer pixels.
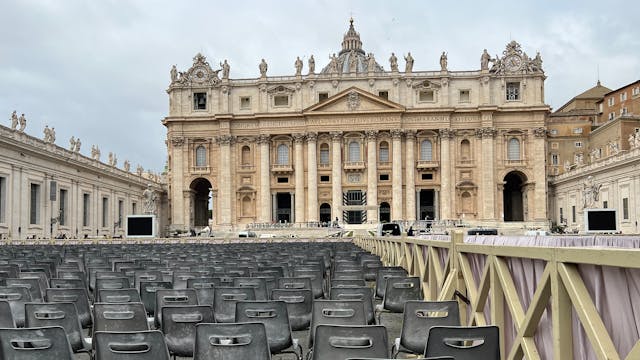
{"type": "Point", "coordinates": [98, 70]}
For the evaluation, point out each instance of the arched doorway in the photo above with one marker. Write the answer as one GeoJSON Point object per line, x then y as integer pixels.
{"type": "Point", "coordinates": [202, 204]}
{"type": "Point", "coordinates": [385, 212]}
{"type": "Point", "coordinates": [325, 213]}
{"type": "Point", "coordinates": [513, 198]}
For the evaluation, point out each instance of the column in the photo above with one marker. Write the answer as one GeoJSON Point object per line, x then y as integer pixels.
{"type": "Point", "coordinates": [540, 187]}
{"type": "Point", "coordinates": [264, 214]}
{"type": "Point", "coordinates": [336, 175]}
{"type": "Point", "coordinates": [312, 177]}
{"type": "Point", "coordinates": [410, 168]}
{"type": "Point", "coordinates": [224, 180]}
{"type": "Point", "coordinates": [274, 207]}
{"type": "Point", "coordinates": [417, 208]}
{"type": "Point", "coordinates": [372, 175]}
{"type": "Point", "coordinates": [179, 211]}
{"type": "Point", "coordinates": [446, 198]}
{"type": "Point", "coordinates": [436, 205]}
{"type": "Point", "coordinates": [293, 217]}
{"type": "Point", "coordinates": [487, 186]}
{"type": "Point", "coordinates": [298, 140]}
{"type": "Point", "coordinates": [396, 174]}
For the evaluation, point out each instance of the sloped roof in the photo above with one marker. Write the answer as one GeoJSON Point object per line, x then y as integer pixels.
{"type": "Point", "coordinates": [595, 93]}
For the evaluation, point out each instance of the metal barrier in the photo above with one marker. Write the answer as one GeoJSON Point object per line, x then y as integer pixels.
{"type": "Point", "coordinates": [490, 296]}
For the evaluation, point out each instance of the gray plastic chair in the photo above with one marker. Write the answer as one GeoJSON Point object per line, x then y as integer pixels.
{"type": "Point", "coordinates": [118, 296]}
{"type": "Point", "coordinates": [119, 317]}
{"type": "Point", "coordinates": [231, 341]}
{"type": "Point", "coordinates": [299, 306]}
{"type": "Point", "coordinates": [16, 297]}
{"type": "Point", "coordinates": [172, 297]}
{"type": "Point", "coordinates": [225, 299]}
{"type": "Point", "coordinates": [126, 345]}
{"type": "Point", "coordinates": [58, 314]}
{"type": "Point", "coordinates": [32, 284]}
{"type": "Point", "coordinates": [204, 289]}
{"type": "Point", "coordinates": [258, 284]}
{"type": "Point", "coordinates": [148, 293]}
{"type": "Point", "coordinates": [382, 274]}
{"type": "Point", "coordinates": [78, 296]}
{"type": "Point", "coordinates": [464, 342]}
{"type": "Point", "coordinates": [398, 291]}
{"type": "Point", "coordinates": [418, 318]}
{"type": "Point", "coordinates": [179, 327]}
{"type": "Point", "coordinates": [336, 312]}
{"type": "Point", "coordinates": [43, 343]}
{"type": "Point", "coordinates": [356, 293]}
{"type": "Point", "coordinates": [341, 342]}
{"type": "Point", "coordinates": [6, 318]}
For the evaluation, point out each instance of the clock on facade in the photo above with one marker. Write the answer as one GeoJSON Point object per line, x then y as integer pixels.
{"type": "Point", "coordinates": [513, 62]}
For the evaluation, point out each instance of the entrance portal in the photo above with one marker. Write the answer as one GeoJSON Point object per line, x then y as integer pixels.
{"type": "Point", "coordinates": [325, 213]}
{"type": "Point", "coordinates": [202, 204]}
{"type": "Point", "coordinates": [427, 208]}
{"type": "Point", "coordinates": [283, 207]}
{"type": "Point", "coordinates": [513, 197]}
{"type": "Point", "coordinates": [355, 211]}
{"type": "Point", "coordinates": [385, 212]}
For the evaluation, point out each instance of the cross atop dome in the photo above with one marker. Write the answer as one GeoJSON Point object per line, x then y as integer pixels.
{"type": "Point", "coordinates": [351, 40]}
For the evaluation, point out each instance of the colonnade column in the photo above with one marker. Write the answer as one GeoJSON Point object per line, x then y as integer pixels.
{"type": "Point", "coordinates": [312, 180]}
{"type": "Point", "coordinates": [540, 187]}
{"type": "Point", "coordinates": [298, 140]}
{"type": "Point", "coordinates": [225, 182]}
{"type": "Point", "coordinates": [410, 167]}
{"type": "Point", "coordinates": [396, 173]}
{"type": "Point", "coordinates": [372, 176]}
{"type": "Point", "coordinates": [445, 174]}
{"type": "Point", "coordinates": [265, 180]}
{"type": "Point", "coordinates": [336, 175]}
{"type": "Point", "coordinates": [487, 135]}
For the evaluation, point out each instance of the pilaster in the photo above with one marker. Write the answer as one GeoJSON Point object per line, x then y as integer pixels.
{"type": "Point", "coordinates": [336, 175]}
{"type": "Point", "coordinates": [298, 141]}
{"type": "Point", "coordinates": [410, 169]}
{"type": "Point", "coordinates": [312, 177]}
{"type": "Point", "coordinates": [372, 175]}
{"type": "Point", "coordinates": [265, 180]}
{"type": "Point", "coordinates": [396, 174]}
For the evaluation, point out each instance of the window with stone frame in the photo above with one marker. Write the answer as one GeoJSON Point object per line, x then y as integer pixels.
{"type": "Point", "coordinates": [555, 159]}
{"type": "Point", "coordinates": [465, 150]}
{"type": "Point", "coordinates": [86, 210]}
{"type": "Point", "coordinates": [354, 151]}
{"type": "Point", "coordinates": [3, 199]}
{"type": "Point", "coordinates": [245, 103]}
{"type": "Point", "coordinates": [281, 100]}
{"type": "Point", "coordinates": [105, 212]}
{"type": "Point", "coordinates": [513, 91]}
{"type": "Point", "coordinates": [282, 154]}
{"type": "Point", "coordinates": [201, 156]}
{"type": "Point", "coordinates": [384, 151]}
{"type": "Point", "coordinates": [513, 149]}
{"type": "Point", "coordinates": [200, 101]}
{"type": "Point", "coordinates": [384, 94]}
{"type": "Point", "coordinates": [34, 208]}
{"type": "Point", "coordinates": [426, 150]}
{"type": "Point", "coordinates": [62, 207]}
{"type": "Point", "coordinates": [465, 96]}
{"type": "Point", "coordinates": [322, 96]}
{"type": "Point", "coordinates": [245, 155]}
{"type": "Point", "coordinates": [426, 96]}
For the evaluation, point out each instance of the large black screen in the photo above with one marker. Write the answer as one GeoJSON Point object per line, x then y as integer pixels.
{"type": "Point", "coordinates": [140, 226]}
{"type": "Point", "coordinates": [601, 220]}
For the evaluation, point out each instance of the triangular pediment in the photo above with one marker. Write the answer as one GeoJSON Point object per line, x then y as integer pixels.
{"type": "Point", "coordinates": [354, 100]}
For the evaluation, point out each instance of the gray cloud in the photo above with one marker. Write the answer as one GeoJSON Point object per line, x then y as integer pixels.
{"type": "Point", "coordinates": [98, 70]}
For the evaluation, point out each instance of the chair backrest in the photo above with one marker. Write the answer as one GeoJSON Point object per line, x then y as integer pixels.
{"type": "Point", "coordinates": [78, 296]}
{"type": "Point", "coordinates": [258, 284]}
{"type": "Point", "coordinates": [399, 290]}
{"type": "Point", "coordinates": [6, 318]}
{"type": "Point", "coordinates": [273, 314]}
{"type": "Point", "coordinates": [57, 314]}
{"type": "Point", "coordinates": [67, 283]}
{"type": "Point", "coordinates": [32, 284]}
{"type": "Point", "coordinates": [146, 275]}
{"type": "Point", "coordinates": [336, 283]}
{"type": "Point", "coordinates": [43, 343]}
{"type": "Point", "coordinates": [342, 342]}
{"type": "Point", "coordinates": [348, 274]}
{"type": "Point", "coordinates": [225, 299]}
{"type": "Point", "coordinates": [294, 283]}
{"type": "Point", "coordinates": [363, 293]}
{"type": "Point", "coordinates": [204, 288]}
{"type": "Point", "coordinates": [231, 341]}
{"type": "Point", "coordinates": [299, 305]}
{"type": "Point", "coordinates": [463, 342]}
{"type": "Point", "coordinates": [420, 316]}
{"type": "Point", "coordinates": [138, 345]}
{"type": "Point", "coordinates": [118, 295]}
{"type": "Point", "coordinates": [16, 297]}
{"type": "Point", "coordinates": [336, 312]}
{"type": "Point", "coordinates": [317, 280]}
{"type": "Point", "coordinates": [121, 282]}
{"type": "Point", "coordinates": [429, 358]}
{"type": "Point", "coordinates": [148, 293]}
{"type": "Point", "coordinates": [180, 278]}
{"type": "Point", "coordinates": [179, 326]}
{"type": "Point", "coordinates": [171, 297]}
{"type": "Point", "coordinates": [119, 317]}
{"type": "Point", "coordinates": [382, 274]}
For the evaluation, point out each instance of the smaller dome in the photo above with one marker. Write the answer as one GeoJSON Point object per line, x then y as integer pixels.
{"type": "Point", "coordinates": [351, 40]}
{"type": "Point", "coordinates": [351, 59]}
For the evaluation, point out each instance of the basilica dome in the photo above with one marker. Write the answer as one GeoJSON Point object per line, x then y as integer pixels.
{"type": "Point", "coordinates": [352, 59]}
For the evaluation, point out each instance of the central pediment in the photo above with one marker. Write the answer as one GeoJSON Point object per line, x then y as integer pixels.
{"type": "Point", "coordinates": [353, 100]}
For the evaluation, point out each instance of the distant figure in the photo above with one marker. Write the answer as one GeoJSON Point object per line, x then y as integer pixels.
{"type": "Point", "coordinates": [174, 74]}
{"type": "Point", "coordinates": [127, 165]}
{"type": "Point", "coordinates": [14, 120]}
{"type": "Point", "coordinates": [149, 200]}
{"type": "Point", "coordinates": [410, 231]}
{"type": "Point", "coordinates": [333, 64]}
{"type": "Point", "coordinates": [353, 62]}
{"type": "Point", "coordinates": [312, 65]}
{"type": "Point", "coordinates": [23, 123]}
{"type": "Point", "coordinates": [263, 68]}
{"type": "Point", "coordinates": [484, 60]}
{"type": "Point", "coordinates": [139, 170]}
{"type": "Point", "coordinates": [79, 143]}
{"type": "Point", "coordinates": [335, 222]}
{"type": "Point", "coordinates": [225, 69]}
{"type": "Point", "coordinates": [371, 62]}
{"type": "Point", "coordinates": [52, 135]}
{"type": "Point", "coordinates": [393, 61]}
{"type": "Point", "coordinates": [72, 143]}
{"type": "Point", "coordinates": [298, 66]}
{"type": "Point", "coordinates": [47, 133]}
{"type": "Point", "coordinates": [443, 61]}
{"type": "Point", "coordinates": [409, 63]}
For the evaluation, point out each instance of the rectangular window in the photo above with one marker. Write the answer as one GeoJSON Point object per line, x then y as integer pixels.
{"type": "Point", "coordinates": [625, 208]}
{"type": "Point", "coordinates": [3, 199]}
{"type": "Point", "coordinates": [577, 130]}
{"type": "Point", "coordinates": [623, 96]}
{"type": "Point", "coordinates": [245, 103]}
{"type": "Point", "coordinates": [554, 145]}
{"type": "Point", "coordinates": [553, 132]}
{"type": "Point", "coordinates": [134, 208]}
{"type": "Point", "coordinates": [465, 96]}
{"type": "Point", "coordinates": [605, 204]}
{"type": "Point", "coordinates": [573, 214]}
{"type": "Point", "coordinates": [283, 180]}
{"type": "Point", "coordinates": [600, 108]}
{"type": "Point", "coordinates": [120, 213]}
{"type": "Point", "coordinates": [86, 202]}
{"type": "Point", "coordinates": [324, 178]}
{"type": "Point", "coordinates": [62, 207]}
{"type": "Point", "coordinates": [105, 212]}
{"type": "Point", "coordinates": [199, 101]}
{"type": "Point", "coordinates": [426, 96]}
{"type": "Point", "coordinates": [611, 115]}
{"type": "Point", "coordinates": [623, 111]}
{"type": "Point", "coordinates": [427, 176]}
{"type": "Point", "coordinates": [323, 96]}
{"type": "Point", "coordinates": [578, 144]}
{"type": "Point", "coordinates": [34, 209]}
{"type": "Point", "coordinates": [324, 156]}
{"type": "Point", "coordinates": [384, 177]}
{"type": "Point", "coordinates": [384, 94]}
{"type": "Point", "coordinates": [611, 101]}
{"type": "Point", "coordinates": [513, 91]}
{"type": "Point", "coordinates": [555, 159]}
{"type": "Point", "coordinates": [281, 100]}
